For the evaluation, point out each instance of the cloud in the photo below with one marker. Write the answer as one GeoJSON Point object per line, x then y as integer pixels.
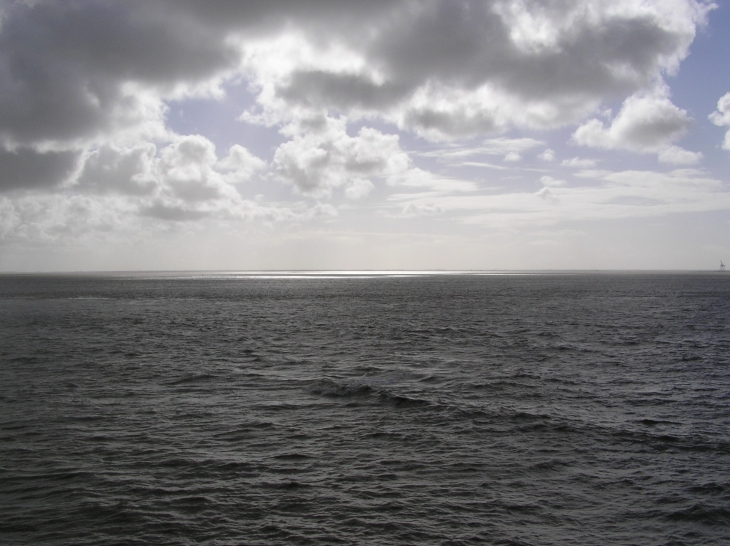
{"type": "Point", "coordinates": [546, 194]}
{"type": "Point", "coordinates": [24, 168]}
{"type": "Point", "coordinates": [187, 169]}
{"type": "Point", "coordinates": [606, 195]}
{"type": "Point", "coordinates": [547, 155]}
{"type": "Point", "coordinates": [240, 164]}
{"type": "Point", "coordinates": [678, 156]}
{"type": "Point", "coordinates": [87, 86]}
{"type": "Point", "coordinates": [161, 211]}
{"type": "Point", "coordinates": [89, 73]}
{"type": "Point", "coordinates": [448, 69]}
{"type": "Point", "coordinates": [182, 181]}
{"type": "Point", "coordinates": [578, 162]}
{"type": "Point", "coordinates": [721, 117]}
{"type": "Point", "coordinates": [550, 182]}
{"type": "Point", "coordinates": [421, 209]}
{"type": "Point", "coordinates": [83, 70]}
{"type": "Point", "coordinates": [359, 188]}
{"type": "Point", "coordinates": [645, 124]}
{"type": "Point", "coordinates": [111, 169]}
{"type": "Point", "coordinates": [324, 158]}
{"type": "Point", "coordinates": [501, 146]}
{"type": "Point", "coordinates": [70, 217]}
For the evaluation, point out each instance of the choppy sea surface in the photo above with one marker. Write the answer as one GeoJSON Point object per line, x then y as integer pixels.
{"type": "Point", "coordinates": [553, 409]}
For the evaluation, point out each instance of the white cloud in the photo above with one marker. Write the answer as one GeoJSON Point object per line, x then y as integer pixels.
{"type": "Point", "coordinates": [69, 217]}
{"type": "Point", "coordinates": [678, 156]}
{"type": "Point", "coordinates": [359, 188]}
{"type": "Point", "coordinates": [721, 117]}
{"type": "Point", "coordinates": [421, 209]}
{"type": "Point", "coordinates": [547, 195]}
{"type": "Point", "coordinates": [645, 124]}
{"type": "Point", "coordinates": [240, 164]}
{"type": "Point", "coordinates": [610, 195]}
{"type": "Point", "coordinates": [578, 162]}
{"type": "Point", "coordinates": [501, 146]}
{"type": "Point", "coordinates": [321, 159]}
{"type": "Point", "coordinates": [547, 155]}
{"type": "Point", "coordinates": [182, 181]}
{"type": "Point", "coordinates": [513, 157]}
{"type": "Point", "coordinates": [418, 178]}
{"type": "Point", "coordinates": [550, 182]}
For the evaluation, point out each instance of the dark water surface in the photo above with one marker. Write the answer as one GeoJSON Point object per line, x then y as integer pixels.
{"type": "Point", "coordinates": [442, 409]}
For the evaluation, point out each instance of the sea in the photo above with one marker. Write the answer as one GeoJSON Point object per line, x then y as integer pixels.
{"type": "Point", "coordinates": [365, 408]}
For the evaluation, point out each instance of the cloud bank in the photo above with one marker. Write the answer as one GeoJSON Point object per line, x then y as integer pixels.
{"type": "Point", "coordinates": [86, 88]}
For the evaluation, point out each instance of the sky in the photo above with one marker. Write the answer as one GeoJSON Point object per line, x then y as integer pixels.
{"type": "Point", "coordinates": [387, 134]}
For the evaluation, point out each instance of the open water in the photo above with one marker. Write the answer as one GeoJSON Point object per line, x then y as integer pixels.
{"type": "Point", "coordinates": [372, 409]}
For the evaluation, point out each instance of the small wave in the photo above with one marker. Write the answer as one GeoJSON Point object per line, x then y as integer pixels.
{"type": "Point", "coordinates": [194, 378]}
{"type": "Point", "coordinates": [293, 456]}
{"type": "Point", "coordinates": [328, 387]}
{"type": "Point", "coordinates": [334, 389]}
{"type": "Point", "coordinates": [701, 513]}
{"type": "Point", "coordinates": [400, 400]}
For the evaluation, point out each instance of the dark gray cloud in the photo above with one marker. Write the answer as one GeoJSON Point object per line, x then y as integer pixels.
{"type": "Point", "coordinates": [83, 75]}
{"type": "Point", "coordinates": [29, 169]}
{"type": "Point", "coordinates": [462, 46]}
{"type": "Point", "coordinates": [63, 65]}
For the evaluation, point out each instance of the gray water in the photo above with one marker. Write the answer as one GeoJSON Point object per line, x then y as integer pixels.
{"type": "Point", "coordinates": [436, 409]}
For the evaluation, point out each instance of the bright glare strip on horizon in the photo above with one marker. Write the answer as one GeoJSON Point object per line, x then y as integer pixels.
{"type": "Point", "coordinates": [341, 274]}
{"type": "Point", "coordinates": [353, 274]}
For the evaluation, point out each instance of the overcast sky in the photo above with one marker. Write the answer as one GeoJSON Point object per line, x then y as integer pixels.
{"type": "Point", "coordinates": [382, 134]}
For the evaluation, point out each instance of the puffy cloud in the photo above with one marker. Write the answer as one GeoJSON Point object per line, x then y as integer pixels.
{"type": "Point", "coordinates": [240, 164]}
{"type": "Point", "coordinates": [110, 169]}
{"type": "Point", "coordinates": [645, 124]}
{"type": "Point", "coordinates": [547, 155]}
{"type": "Point", "coordinates": [445, 69]}
{"type": "Point", "coordinates": [721, 117]}
{"type": "Point", "coordinates": [188, 169]}
{"type": "Point", "coordinates": [183, 181]}
{"type": "Point", "coordinates": [326, 157]}
{"type": "Point", "coordinates": [359, 188]}
{"type": "Point", "coordinates": [91, 71]}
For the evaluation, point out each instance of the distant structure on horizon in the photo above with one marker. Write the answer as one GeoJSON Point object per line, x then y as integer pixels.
{"type": "Point", "coordinates": [722, 266]}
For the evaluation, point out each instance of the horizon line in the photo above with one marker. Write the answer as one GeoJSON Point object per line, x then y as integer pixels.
{"type": "Point", "coordinates": [348, 272]}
